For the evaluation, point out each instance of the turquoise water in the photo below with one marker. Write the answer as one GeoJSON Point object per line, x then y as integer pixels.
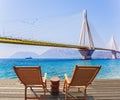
{"type": "Point", "coordinates": [58, 67]}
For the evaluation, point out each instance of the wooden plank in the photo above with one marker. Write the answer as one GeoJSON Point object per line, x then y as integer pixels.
{"type": "Point", "coordinates": [102, 89]}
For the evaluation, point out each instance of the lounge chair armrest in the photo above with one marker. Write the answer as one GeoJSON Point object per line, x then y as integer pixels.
{"type": "Point", "coordinates": [45, 77]}
{"type": "Point", "coordinates": [66, 78]}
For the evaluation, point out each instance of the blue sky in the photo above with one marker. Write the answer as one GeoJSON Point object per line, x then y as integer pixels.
{"type": "Point", "coordinates": [57, 21]}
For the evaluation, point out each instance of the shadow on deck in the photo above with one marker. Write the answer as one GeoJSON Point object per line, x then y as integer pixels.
{"type": "Point", "coordinates": [103, 89]}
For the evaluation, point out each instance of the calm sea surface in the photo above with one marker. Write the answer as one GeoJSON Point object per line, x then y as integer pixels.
{"type": "Point", "coordinates": [58, 67]}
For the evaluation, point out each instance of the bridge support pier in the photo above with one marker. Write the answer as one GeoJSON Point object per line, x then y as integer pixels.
{"type": "Point", "coordinates": [86, 54]}
{"type": "Point", "coordinates": [114, 54]}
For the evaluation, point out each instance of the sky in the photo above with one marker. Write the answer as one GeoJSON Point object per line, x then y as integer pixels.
{"type": "Point", "coordinates": [57, 21]}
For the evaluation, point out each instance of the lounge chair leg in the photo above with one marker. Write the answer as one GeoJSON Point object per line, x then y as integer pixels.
{"type": "Point", "coordinates": [25, 93]}
{"type": "Point", "coordinates": [64, 86]}
{"type": "Point", "coordinates": [85, 94]}
{"type": "Point", "coordinates": [44, 93]}
{"type": "Point", "coordinates": [66, 92]}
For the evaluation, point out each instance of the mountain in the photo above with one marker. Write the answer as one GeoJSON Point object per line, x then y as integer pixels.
{"type": "Point", "coordinates": [24, 55]}
{"type": "Point", "coordinates": [104, 55]}
{"type": "Point", "coordinates": [61, 53]}
{"type": "Point", "coordinates": [74, 53]}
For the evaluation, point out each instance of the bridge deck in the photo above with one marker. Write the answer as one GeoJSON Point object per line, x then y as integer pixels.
{"type": "Point", "coordinates": [99, 90]}
{"type": "Point", "coordinates": [43, 43]}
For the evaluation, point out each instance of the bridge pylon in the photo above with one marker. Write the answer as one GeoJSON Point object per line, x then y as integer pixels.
{"type": "Point", "coordinates": [114, 48]}
{"type": "Point", "coordinates": [114, 54]}
{"type": "Point", "coordinates": [86, 38]}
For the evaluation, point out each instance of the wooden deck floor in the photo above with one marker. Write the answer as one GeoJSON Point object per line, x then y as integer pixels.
{"type": "Point", "coordinates": [103, 89]}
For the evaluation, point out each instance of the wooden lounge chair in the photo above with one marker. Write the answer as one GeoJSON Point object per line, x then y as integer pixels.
{"type": "Point", "coordinates": [31, 77]}
{"type": "Point", "coordinates": [81, 78]}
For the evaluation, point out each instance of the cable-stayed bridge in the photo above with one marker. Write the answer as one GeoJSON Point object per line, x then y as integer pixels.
{"type": "Point", "coordinates": [86, 45]}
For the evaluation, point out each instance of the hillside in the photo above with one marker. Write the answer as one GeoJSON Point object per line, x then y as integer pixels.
{"type": "Point", "coordinates": [24, 55]}
{"type": "Point", "coordinates": [63, 53]}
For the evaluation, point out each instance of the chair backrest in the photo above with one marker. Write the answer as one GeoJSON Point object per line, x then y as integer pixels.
{"type": "Point", "coordinates": [29, 75]}
{"type": "Point", "coordinates": [84, 75]}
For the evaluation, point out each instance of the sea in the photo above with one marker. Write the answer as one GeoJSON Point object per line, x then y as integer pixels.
{"type": "Point", "coordinates": [110, 69]}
